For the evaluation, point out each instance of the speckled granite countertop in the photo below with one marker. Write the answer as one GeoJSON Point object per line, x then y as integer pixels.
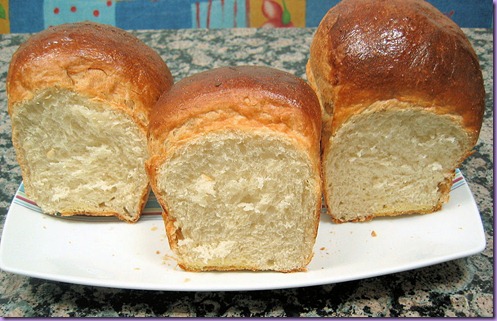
{"type": "Point", "coordinates": [462, 287]}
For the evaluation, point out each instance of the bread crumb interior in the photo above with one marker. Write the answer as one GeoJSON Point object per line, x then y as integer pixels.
{"type": "Point", "coordinates": [241, 200]}
{"type": "Point", "coordinates": [391, 160]}
{"type": "Point", "coordinates": [81, 156]}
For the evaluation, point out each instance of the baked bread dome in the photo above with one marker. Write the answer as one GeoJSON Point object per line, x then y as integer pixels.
{"type": "Point", "coordinates": [402, 99]}
{"type": "Point", "coordinates": [234, 163]}
{"type": "Point", "coordinates": [79, 97]}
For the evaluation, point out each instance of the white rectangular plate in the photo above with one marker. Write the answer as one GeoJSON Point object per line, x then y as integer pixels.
{"type": "Point", "coordinates": [109, 253]}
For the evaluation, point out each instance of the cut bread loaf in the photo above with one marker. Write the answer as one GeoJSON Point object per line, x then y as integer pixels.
{"type": "Point", "coordinates": [79, 97]}
{"type": "Point", "coordinates": [235, 166]}
{"type": "Point", "coordinates": [402, 99]}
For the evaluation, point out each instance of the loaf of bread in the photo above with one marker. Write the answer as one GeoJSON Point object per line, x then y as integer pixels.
{"type": "Point", "coordinates": [402, 99]}
{"type": "Point", "coordinates": [234, 163]}
{"type": "Point", "coordinates": [79, 97]}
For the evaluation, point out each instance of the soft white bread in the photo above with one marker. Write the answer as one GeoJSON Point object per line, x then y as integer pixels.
{"type": "Point", "coordinates": [79, 97]}
{"type": "Point", "coordinates": [402, 99]}
{"type": "Point", "coordinates": [234, 163]}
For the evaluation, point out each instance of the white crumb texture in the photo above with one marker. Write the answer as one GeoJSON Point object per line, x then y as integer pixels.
{"type": "Point", "coordinates": [81, 155]}
{"type": "Point", "coordinates": [241, 200]}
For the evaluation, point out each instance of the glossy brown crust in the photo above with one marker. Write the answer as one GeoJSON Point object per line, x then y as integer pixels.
{"type": "Point", "coordinates": [101, 62]}
{"type": "Point", "coordinates": [244, 98]}
{"type": "Point", "coordinates": [371, 50]}
{"type": "Point", "coordinates": [261, 97]}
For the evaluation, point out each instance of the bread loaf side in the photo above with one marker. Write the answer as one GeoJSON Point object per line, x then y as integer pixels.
{"type": "Point", "coordinates": [79, 97]}
{"type": "Point", "coordinates": [234, 162]}
{"type": "Point", "coordinates": [402, 100]}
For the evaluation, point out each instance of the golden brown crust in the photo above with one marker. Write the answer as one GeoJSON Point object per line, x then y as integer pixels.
{"type": "Point", "coordinates": [233, 98]}
{"type": "Point", "coordinates": [254, 93]}
{"type": "Point", "coordinates": [402, 51]}
{"type": "Point", "coordinates": [371, 50]}
{"type": "Point", "coordinates": [251, 91]}
{"type": "Point", "coordinates": [101, 62]}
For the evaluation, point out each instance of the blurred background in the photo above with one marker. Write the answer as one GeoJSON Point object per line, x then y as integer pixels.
{"type": "Point", "coordinates": [26, 16]}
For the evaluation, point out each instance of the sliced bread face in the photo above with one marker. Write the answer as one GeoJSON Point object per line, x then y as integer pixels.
{"type": "Point", "coordinates": [240, 200]}
{"type": "Point", "coordinates": [234, 163]}
{"type": "Point", "coordinates": [392, 161]}
{"type": "Point", "coordinates": [79, 156]}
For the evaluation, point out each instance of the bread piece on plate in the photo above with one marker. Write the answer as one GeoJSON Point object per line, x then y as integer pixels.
{"type": "Point", "coordinates": [79, 97]}
{"type": "Point", "coordinates": [234, 163]}
{"type": "Point", "coordinates": [402, 98]}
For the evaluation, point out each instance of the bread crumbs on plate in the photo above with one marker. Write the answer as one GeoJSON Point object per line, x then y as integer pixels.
{"type": "Point", "coordinates": [373, 233]}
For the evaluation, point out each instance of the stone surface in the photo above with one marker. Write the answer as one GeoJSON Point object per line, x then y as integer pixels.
{"type": "Point", "coordinates": [462, 287]}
